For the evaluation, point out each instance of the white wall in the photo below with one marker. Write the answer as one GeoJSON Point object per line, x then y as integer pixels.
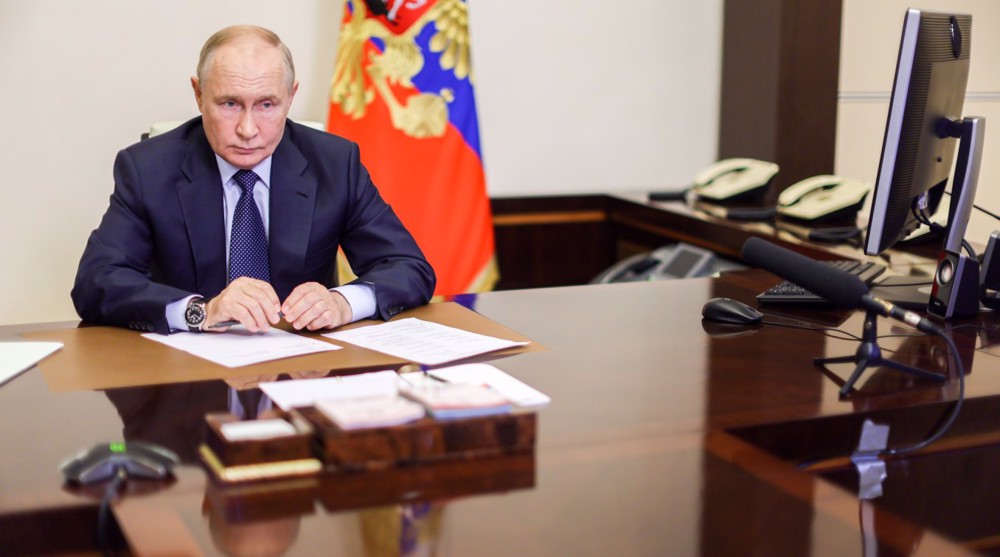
{"type": "Point", "coordinates": [586, 96]}
{"type": "Point", "coordinates": [869, 46]}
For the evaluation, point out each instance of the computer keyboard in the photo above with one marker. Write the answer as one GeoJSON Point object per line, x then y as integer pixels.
{"type": "Point", "coordinates": [790, 293]}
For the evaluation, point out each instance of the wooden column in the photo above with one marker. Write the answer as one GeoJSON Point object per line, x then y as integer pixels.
{"type": "Point", "coordinates": [780, 62]}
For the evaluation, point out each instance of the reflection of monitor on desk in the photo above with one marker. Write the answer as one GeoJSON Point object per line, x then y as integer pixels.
{"type": "Point", "coordinates": [924, 121]}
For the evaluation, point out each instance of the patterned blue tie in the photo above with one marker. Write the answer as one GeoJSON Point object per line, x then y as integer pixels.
{"type": "Point", "coordinates": [248, 242]}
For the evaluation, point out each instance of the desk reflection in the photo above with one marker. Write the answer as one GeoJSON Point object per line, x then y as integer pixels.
{"type": "Point", "coordinates": [174, 415]}
{"type": "Point", "coordinates": [169, 415]}
{"type": "Point", "coordinates": [400, 510]}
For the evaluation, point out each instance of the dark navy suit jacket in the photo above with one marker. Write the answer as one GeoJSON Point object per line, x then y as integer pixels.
{"type": "Point", "coordinates": [163, 236]}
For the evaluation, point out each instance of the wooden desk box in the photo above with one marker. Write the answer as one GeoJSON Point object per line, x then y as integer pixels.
{"type": "Point", "coordinates": [424, 441]}
{"type": "Point", "coordinates": [278, 449]}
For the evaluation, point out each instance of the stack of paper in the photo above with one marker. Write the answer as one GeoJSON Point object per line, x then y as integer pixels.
{"type": "Point", "coordinates": [351, 402]}
{"type": "Point", "coordinates": [308, 392]}
{"type": "Point", "coordinates": [453, 400]}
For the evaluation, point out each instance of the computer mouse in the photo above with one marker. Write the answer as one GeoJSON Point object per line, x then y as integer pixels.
{"type": "Point", "coordinates": [728, 310]}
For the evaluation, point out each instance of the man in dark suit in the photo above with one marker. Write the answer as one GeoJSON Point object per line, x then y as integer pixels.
{"type": "Point", "coordinates": [168, 255]}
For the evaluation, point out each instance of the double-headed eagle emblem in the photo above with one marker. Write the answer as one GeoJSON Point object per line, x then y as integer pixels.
{"type": "Point", "coordinates": [356, 80]}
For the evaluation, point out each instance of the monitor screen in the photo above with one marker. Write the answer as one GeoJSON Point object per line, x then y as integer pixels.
{"type": "Point", "coordinates": [917, 151]}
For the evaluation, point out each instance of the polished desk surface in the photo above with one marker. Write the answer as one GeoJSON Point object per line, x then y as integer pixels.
{"type": "Point", "coordinates": [666, 436]}
{"type": "Point", "coordinates": [699, 223]}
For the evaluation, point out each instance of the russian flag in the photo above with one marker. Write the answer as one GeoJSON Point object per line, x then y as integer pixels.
{"type": "Point", "coordinates": [402, 89]}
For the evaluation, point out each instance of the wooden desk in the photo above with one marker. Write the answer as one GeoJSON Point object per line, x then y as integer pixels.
{"type": "Point", "coordinates": [562, 241]}
{"type": "Point", "coordinates": [666, 436]}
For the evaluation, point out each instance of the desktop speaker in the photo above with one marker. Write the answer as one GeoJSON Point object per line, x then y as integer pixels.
{"type": "Point", "coordinates": [989, 284]}
{"type": "Point", "coordinates": [956, 286]}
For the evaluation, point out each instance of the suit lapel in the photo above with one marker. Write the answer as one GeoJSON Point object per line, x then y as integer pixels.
{"type": "Point", "coordinates": [293, 196]}
{"type": "Point", "coordinates": [201, 205]}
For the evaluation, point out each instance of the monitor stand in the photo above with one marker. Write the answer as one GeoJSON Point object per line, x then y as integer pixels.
{"type": "Point", "coordinates": [956, 281]}
{"type": "Point", "coordinates": [958, 294]}
{"type": "Point", "coordinates": [911, 293]}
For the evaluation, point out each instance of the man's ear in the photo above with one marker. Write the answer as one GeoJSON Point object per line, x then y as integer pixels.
{"type": "Point", "coordinates": [196, 86]}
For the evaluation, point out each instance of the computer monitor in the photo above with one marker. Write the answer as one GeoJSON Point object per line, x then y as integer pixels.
{"type": "Point", "coordinates": [923, 128]}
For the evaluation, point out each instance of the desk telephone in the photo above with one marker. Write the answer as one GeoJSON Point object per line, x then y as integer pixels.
{"type": "Point", "coordinates": [823, 196]}
{"type": "Point", "coordinates": [730, 178]}
{"type": "Point", "coordinates": [667, 262]}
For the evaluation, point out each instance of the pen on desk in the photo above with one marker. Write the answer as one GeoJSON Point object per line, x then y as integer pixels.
{"type": "Point", "coordinates": [233, 322]}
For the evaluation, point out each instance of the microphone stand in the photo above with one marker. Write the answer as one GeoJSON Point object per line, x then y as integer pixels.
{"type": "Point", "coordinates": [870, 355]}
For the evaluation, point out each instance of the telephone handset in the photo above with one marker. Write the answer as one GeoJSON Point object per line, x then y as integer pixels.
{"type": "Point", "coordinates": [822, 197]}
{"type": "Point", "coordinates": [731, 178]}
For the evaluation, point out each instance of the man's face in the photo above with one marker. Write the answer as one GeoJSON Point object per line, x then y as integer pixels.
{"type": "Point", "coordinates": [244, 101]}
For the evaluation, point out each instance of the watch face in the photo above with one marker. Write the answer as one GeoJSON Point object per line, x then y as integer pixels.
{"type": "Point", "coordinates": [195, 314]}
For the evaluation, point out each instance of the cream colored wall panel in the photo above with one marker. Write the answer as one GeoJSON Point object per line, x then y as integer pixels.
{"type": "Point", "coordinates": [988, 192]}
{"type": "Point", "coordinates": [870, 35]}
{"type": "Point", "coordinates": [592, 96]}
{"type": "Point", "coordinates": [860, 127]}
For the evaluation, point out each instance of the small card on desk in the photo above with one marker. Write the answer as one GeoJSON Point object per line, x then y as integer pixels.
{"type": "Point", "coordinates": [240, 451]}
{"type": "Point", "coordinates": [256, 430]}
{"type": "Point", "coordinates": [452, 400]}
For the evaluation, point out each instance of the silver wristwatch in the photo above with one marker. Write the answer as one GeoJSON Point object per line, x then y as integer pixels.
{"type": "Point", "coordinates": [195, 314]}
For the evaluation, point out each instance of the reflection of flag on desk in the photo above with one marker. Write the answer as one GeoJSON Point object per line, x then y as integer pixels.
{"type": "Point", "coordinates": [402, 90]}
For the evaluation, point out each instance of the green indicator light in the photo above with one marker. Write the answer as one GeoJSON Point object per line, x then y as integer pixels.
{"type": "Point", "coordinates": [117, 447]}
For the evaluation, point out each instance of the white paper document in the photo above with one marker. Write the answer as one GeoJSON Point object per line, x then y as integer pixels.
{"type": "Point", "coordinates": [236, 348]}
{"type": "Point", "coordinates": [484, 374]}
{"type": "Point", "coordinates": [16, 357]}
{"type": "Point", "coordinates": [421, 341]}
{"type": "Point", "coordinates": [306, 392]}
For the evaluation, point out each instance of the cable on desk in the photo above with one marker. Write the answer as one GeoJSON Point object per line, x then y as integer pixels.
{"type": "Point", "coordinates": [819, 329]}
{"type": "Point", "coordinates": [980, 209]}
{"type": "Point", "coordinates": [845, 461]}
{"type": "Point", "coordinates": [844, 335]}
{"type": "Point", "coordinates": [953, 350]}
{"type": "Point", "coordinates": [939, 230]}
{"type": "Point", "coordinates": [104, 520]}
{"type": "Point", "coordinates": [984, 211]}
{"type": "Point", "coordinates": [956, 408]}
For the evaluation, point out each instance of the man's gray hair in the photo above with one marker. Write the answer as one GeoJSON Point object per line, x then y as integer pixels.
{"type": "Point", "coordinates": [229, 34]}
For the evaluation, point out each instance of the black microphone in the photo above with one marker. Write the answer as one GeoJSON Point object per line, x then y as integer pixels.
{"type": "Point", "coordinates": [886, 308]}
{"type": "Point", "coordinates": [840, 287]}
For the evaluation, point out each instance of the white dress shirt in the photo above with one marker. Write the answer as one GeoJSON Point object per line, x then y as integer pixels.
{"type": "Point", "coordinates": [360, 297]}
